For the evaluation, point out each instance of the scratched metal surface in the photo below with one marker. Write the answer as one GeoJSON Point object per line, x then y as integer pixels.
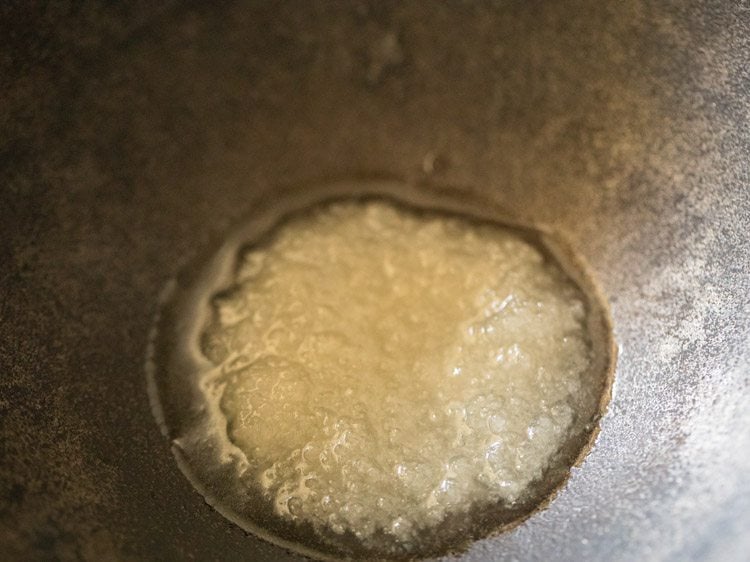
{"type": "Point", "coordinates": [132, 138]}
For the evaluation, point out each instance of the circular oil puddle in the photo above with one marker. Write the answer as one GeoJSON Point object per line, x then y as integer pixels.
{"type": "Point", "coordinates": [372, 371]}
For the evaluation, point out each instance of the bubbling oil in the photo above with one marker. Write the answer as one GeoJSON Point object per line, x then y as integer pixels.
{"type": "Point", "coordinates": [379, 380]}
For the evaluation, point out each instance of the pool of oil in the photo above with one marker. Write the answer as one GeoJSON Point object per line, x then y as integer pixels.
{"type": "Point", "coordinates": [348, 377]}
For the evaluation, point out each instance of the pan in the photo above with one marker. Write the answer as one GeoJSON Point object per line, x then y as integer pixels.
{"type": "Point", "coordinates": [134, 138]}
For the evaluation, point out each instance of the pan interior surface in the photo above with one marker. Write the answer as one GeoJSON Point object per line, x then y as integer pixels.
{"type": "Point", "coordinates": [134, 136]}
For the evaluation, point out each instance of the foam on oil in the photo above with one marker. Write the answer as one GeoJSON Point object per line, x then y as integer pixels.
{"type": "Point", "coordinates": [384, 380]}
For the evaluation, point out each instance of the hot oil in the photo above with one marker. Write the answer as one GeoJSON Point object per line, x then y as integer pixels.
{"type": "Point", "coordinates": [373, 377]}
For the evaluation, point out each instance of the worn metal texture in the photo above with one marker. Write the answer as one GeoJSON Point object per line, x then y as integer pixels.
{"type": "Point", "coordinates": [133, 137]}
